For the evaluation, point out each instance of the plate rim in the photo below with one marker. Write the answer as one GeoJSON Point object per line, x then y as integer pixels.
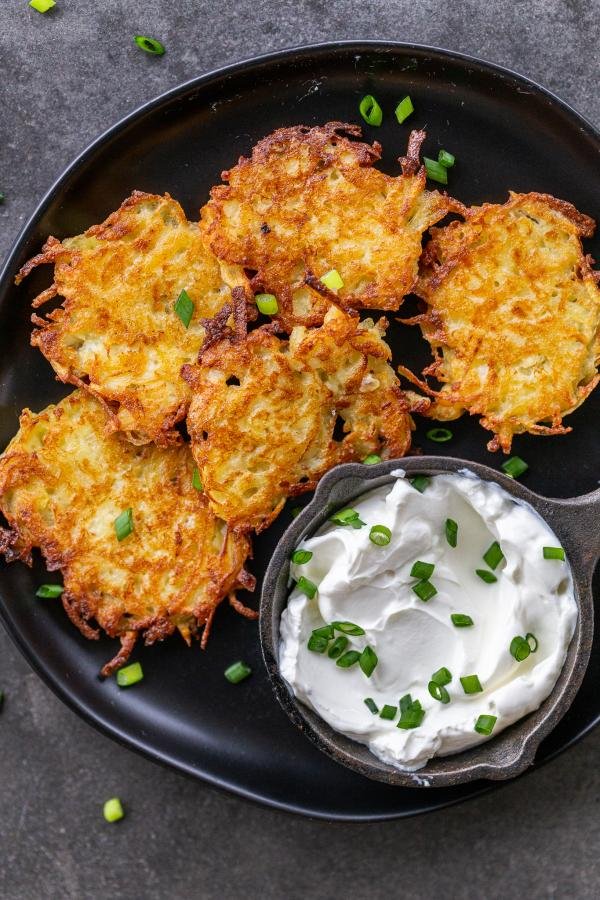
{"type": "Point", "coordinates": [59, 689]}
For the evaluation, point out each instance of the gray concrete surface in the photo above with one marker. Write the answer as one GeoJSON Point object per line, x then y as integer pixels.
{"type": "Point", "coordinates": [64, 78]}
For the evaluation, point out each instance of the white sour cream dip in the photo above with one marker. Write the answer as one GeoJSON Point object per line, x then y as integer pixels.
{"type": "Point", "coordinates": [371, 586]}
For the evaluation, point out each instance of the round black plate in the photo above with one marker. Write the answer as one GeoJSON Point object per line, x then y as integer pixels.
{"type": "Point", "coordinates": [506, 134]}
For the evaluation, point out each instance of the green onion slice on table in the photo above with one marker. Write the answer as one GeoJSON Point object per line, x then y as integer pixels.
{"type": "Point", "coordinates": [149, 45]}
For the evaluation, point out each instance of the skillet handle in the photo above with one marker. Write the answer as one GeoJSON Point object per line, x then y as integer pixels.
{"type": "Point", "coordinates": [577, 522]}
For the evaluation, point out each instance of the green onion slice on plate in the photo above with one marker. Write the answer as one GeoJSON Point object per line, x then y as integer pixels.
{"type": "Point", "coordinates": [435, 170]}
{"type": "Point", "coordinates": [237, 671]}
{"type": "Point", "coordinates": [404, 109]}
{"type": "Point", "coordinates": [439, 435]}
{"type": "Point", "coordinates": [370, 110]}
{"type": "Point", "coordinates": [130, 675]}
{"type": "Point", "coordinates": [49, 591]}
{"type": "Point", "coordinates": [514, 466]}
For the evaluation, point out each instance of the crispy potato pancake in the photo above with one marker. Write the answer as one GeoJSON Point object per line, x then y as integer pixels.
{"type": "Point", "coordinates": [307, 201]}
{"type": "Point", "coordinates": [513, 316]}
{"type": "Point", "coordinates": [264, 410]}
{"type": "Point", "coordinates": [64, 481]}
{"type": "Point", "coordinates": [117, 334]}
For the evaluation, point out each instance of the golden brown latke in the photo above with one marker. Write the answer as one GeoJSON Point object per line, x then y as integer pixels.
{"type": "Point", "coordinates": [63, 482]}
{"type": "Point", "coordinates": [263, 412]}
{"type": "Point", "coordinates": [513, 316]}
{"type": "Point", "coordinates": [117, 334]}
{"type": "Point", "coordinates": [308, 200]}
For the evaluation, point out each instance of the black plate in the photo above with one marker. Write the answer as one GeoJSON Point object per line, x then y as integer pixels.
{"type": "Point", "coordinates": [506, 133]}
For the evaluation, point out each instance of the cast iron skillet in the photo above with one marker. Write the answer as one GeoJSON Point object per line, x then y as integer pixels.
{"type": "Point", "coordinates": [506, 133]}
{"type": "Point", "coordinates": [574, 521]}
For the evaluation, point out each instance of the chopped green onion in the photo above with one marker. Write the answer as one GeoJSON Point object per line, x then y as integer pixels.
{"type": "Point", "coordinates": [338, 647]}
{"type": "Point", "coordinates": [130, 675]}
{"type": "Point", "coordinates": [411, 716]}
{"type": "Point", "coordinates": [406, 702]}
{"type": "Point", "coordinates": [471, 684]}
{"type": "Point", "coordinates": [307, 587]}
{"type": "Point", "coordinates": [42, 6]}
{"type": "Point", "coordinates": [422, 570]}
{"type": "Point", "coordinates": [370, 110]}
{"type": "Point", "coordinates": [485, 724]}
{"type": "Point", "coordinates": [451, 532]}
{"type": "Point", "coordinates": [332, 280]}
{"type": "Point", "coordinates": [368, 660]}
{"type": "Point", "coordinates": [493, 556]}
{"type": "Point", "coordinates": [446, 159]}
{"type": "Point", "coordinates": [435, 170]}
{"type": "Point", "coordinates": [442, 676]}
{"type": "Point", "coordinates": [372, 459]}
{"type": "Point", "coordinates": [439, 435]}
{"type": "Point", "coordinates": [196, 480]}
{"type": "Point", "coordinates": [460, 620]}
{"type": "Point", "coordinates": [325, 631]}
{"type": "Point", "coordinates": [113, 808]}
{"type": "Point", "coordinates": [295, 511]}
{"type": "Point", "coordinates": [486, 576]}
{"type": "Point", "coordinates": [519, 648]}
{"type": "Point", "coordinates": [424, 590]}
{"type": "Point", "coordinates": [553, 553]}
{"type": "Point", "coordinates": [371, 705]}
{"type": "Point", "coordinates": [438, 692]}
{"type": "Point", "coordinates": [420, 482]}
{"type": "Point", "coordinates": [350, 658]}
{"type": "Point", "coordinates": [404, 109]}
{"type": "Point", "coordinates": [124, 524]}
{"type": "Point", "coordinates": [380, 535]}
{"type": "Point", "coordinates": [150, 45]}
{"type": "Point", "coordinates": [348, 628]}
{"type": "Point", "coordinates": [317, 643]}
{"type": "Point", "coordinates": [237, 671]}
{"type": "Point", "coordinates": [299, 557]}
{"type": "Point", "coordinates": [184, 308]}
{"type": "Point", "coordinates": [514, 466]}
{"type": "Point", "coordinates": [267, 304]}
{"type": "Point", "coordinates": [347, 517]}
{"type": "Point", "coordinates": [532, 641]}
{"type": "Point", "coordinates": [388, 712]}
{"type": "Point", "coordinates": [49, 591]}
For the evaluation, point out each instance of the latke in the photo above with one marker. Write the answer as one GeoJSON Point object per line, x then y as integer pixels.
{"type": "Point", "coordinates": [309, 201]}
{"type": "Point", "coordinates": [64, 481]}
{"type": "Point", "coordinates": [513, 316]}
{"type": "Point", "coordinates": [117, 334]}
{"type": "Point", "coordinates": [264, 410]}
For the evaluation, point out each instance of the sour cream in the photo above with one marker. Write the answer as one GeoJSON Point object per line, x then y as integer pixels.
{"type": "Point", "coordinates": [371, 586]}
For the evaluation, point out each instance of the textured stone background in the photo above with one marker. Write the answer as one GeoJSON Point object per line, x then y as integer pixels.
{"type": "Point", "coordinates": [65, 77]}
